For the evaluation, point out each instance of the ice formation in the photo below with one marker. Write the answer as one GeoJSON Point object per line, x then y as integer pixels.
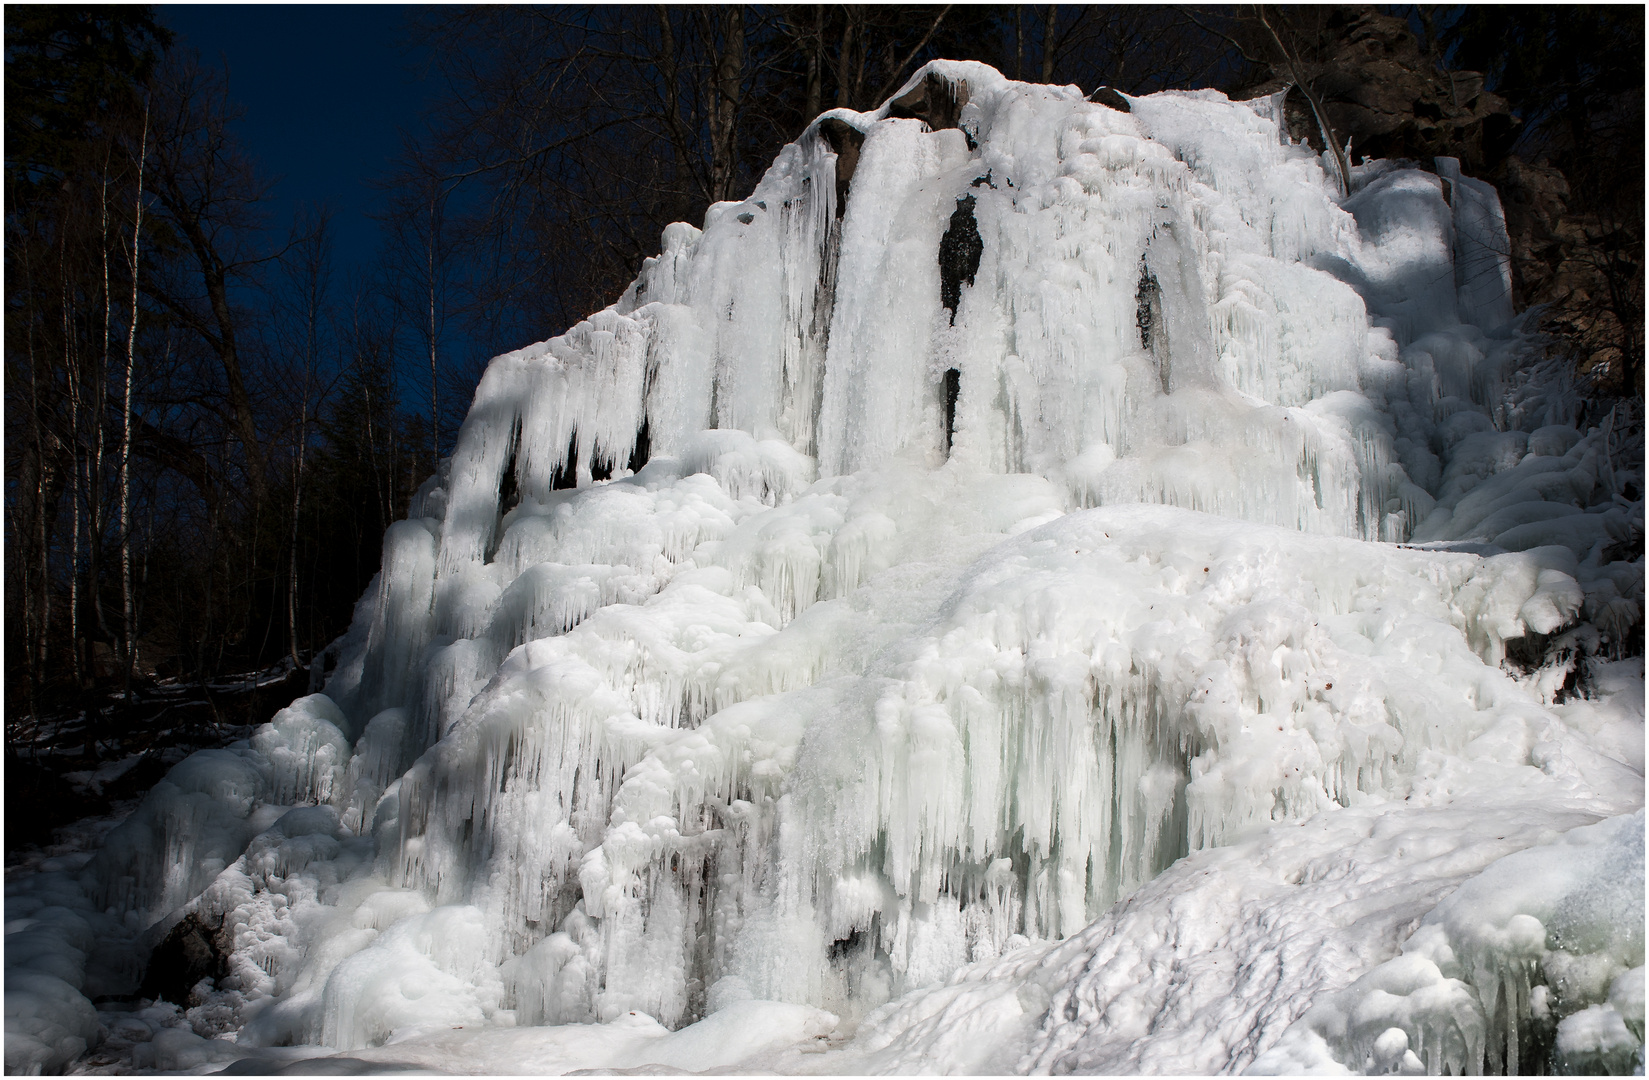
{"type": "Point", "coordinates": [1072, 593]}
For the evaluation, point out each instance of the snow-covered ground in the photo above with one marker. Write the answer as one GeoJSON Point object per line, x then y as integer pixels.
{"type": "Point", "coordinates": [1096, 600]}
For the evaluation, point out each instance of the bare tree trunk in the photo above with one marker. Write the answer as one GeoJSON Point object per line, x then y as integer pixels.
{"type": "Point", "coordinates": [207, 197]}
{"type": "Point", "coordinates": [1048, 28]}
{"type": "Point", "coordinates": [372, 445]}
{"type": "Point", "coordinates": [32, 637]}
{"type": "Point", "coordinates": [292, 564]}
{"type": "Point", "coordinates": [99, 397]}
{"type": "Point", "coordinates": [239, 400]}
{"type": "Point", "coordinates": [670, 79]}
{"type": "Point", "coordinates": [126, 426]}
{"type": "Point", "coordinates": [1019, 41]}
{"type": "Point", "coordinates": [297, 496]}
{"type": "Point", "coordinates": [74, 550]}
{"type": "Point", "coordinates": [844, 62]}
{"type": "Point", "coordinates": [861, 49]}
{"type": "Point", "coordinates": [221, 337]}
{"type": "Point", "coordinates": [434, 407]}
{"type": "Point", "coordinates": [42, 620]}
{"type": "Point", "coordinates": [1341, 164]}
{"type": "Point", "coordinates": [148, 544]}
{"type": "Point", "coordinates": [727, 79]}
{"type": "Point", "coordinates": [207, 631]}
{"type": "Point", "coordinates": [314, 266]}
{"type": "Point", "coordinates": [897, 67]}
{"type": "Point", "coordinates": [72, 374]}
{"type": "Point", "coordinates": [815, 58]}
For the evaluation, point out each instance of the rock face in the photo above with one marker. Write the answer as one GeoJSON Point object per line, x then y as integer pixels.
{"type": "Point", "coordinates": [1535, 198]}
{"type": "Point", "coordinates": [191, 951]}
{"type": "Point", "coordinates": [845, 141]}
{"type": "Point", "coordinates": [935, 101]}
{"type": "Point", "coordinates": [1382, 91]}
{"type": "Point", "coordinates": [1565, 260]}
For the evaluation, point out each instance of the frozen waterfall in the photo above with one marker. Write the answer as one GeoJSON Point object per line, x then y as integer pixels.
{"type": "Point", "coordinates": [1024, 552]}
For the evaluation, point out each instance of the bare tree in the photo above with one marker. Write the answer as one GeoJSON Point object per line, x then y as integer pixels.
{"type": "Point", "coordinates": [211, 198]}
{"type": "Point", "coordinates": [126, 608]}
{"type": "Point", "coordinates": [1284, 39]}
{"type": "Point", "coordinates": [417, 277]}
{"type": "Point", "coordinates": [311, 271]}
{"type": "Point", "coordinates": [723, 31]}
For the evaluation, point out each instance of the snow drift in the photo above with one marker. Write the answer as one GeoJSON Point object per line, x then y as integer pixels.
{"type": "Point", "coordinates": [1069, 593]}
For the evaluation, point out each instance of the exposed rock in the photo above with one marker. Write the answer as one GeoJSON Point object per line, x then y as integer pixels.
{"type": "Point", "coordinates": [1392, 99]}
{"type": "Point", "coordinates": [845, 140]}
{"type": "Point", "coordinates": [1535, 198]}
{"type": "Point", "coordinates": [191, 951]}
{"type": "Point", "coordinates": [936, 101]}
{"type": "Point", "coordinates": [1558, 260]}
{"type": "Point", "coordinates": [1111, 99]}
{"type": "Point", "coordinates": [1383, 92]}
{"type": "Point", "coordinates": [1147, 303]}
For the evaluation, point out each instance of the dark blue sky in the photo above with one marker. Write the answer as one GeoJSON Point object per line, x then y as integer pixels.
{"type": "Point", "coordinates": [326, 90]}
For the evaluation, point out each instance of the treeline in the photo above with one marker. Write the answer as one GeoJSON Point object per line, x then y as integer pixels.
{"type": "Point", "coordinates": [205, 431]}
{"type": "Point", "coordinates": [208, 428]}
{"type": "Point", "coordinates": [569, 137]}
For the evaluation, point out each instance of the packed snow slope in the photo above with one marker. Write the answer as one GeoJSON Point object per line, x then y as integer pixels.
{"type": "Point", "coordinates": [1036, 587]}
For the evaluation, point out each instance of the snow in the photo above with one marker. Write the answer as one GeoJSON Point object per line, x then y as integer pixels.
{"type": "Point", "coordinates": [1550, 928]}
{"type": "Point", "coordinates": [1246, 680]}
{"type": "Point", "coordinates": [741, 1035]}
{"type": "Point", "coordinates": [48, 1022]}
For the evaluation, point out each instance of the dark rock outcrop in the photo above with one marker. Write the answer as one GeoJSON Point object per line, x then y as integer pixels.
{"type": "Point", "coordinates": [191, 951]}
{"type": "Point", "coordinates": [1111, 99]}
{"type": "Point", "coordinates": [1572, 264]}
{"type": "Point", "coordinates": [845, 141]}
{"type": "Point", "coordinates": [1380, 89]}
{"type": "Point", "coordinates": [936, 101]}
{"type": "Point", "coordinates": [959, 253]}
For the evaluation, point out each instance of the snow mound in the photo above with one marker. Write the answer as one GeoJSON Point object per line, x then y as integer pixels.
{"type": "Point", "coordinates": [1537, 960]}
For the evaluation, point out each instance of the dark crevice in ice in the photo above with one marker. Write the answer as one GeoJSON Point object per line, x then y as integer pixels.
{"type": "Point", "coordinates": [509, 491]}
{"type": "Point", "coordinates": [953, 390]}
{"type": "Point", "coordinates": [959, 252]}
{"type": "Point", "coordinates": [643, 447]}
{"type": "Point", "coordinates": [1147, 303]}
{"type": "Point", "coordinates": [566, 474]}
{"type": "Point", "coordinates": [1148, 316]}
{"type": "Point", "coordinates": [842, 948]}
{"type": "Point", "coordinates": [509, 488]}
